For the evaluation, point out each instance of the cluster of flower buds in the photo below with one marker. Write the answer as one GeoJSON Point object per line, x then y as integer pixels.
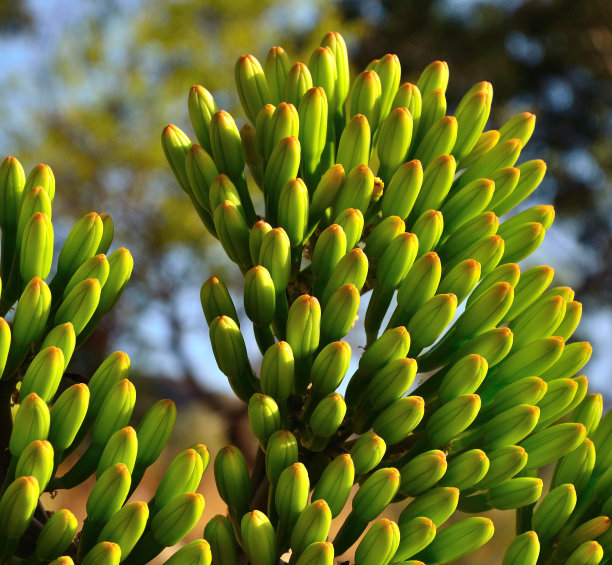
{"type": "Point", "coordinates": [48, 415]}
{"type": "Point", "coordinates": [469, 382]}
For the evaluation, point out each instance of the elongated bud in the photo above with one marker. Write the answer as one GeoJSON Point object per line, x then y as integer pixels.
{"type": "Point", "coordinates": [437, 180]}
{"type": "Point", "coordinates": [36, 247]}
{"type": "Point", "coordinates": [465, 470]}
{"type": "Point", "coordinates": [34, 201]}
{"type": "Point", "coordinates": [357, 190]}
{"type": "Point", "coordinates": [222, 189]}
{"type": "Point", "coordinates": [504, 463]}
{"type": "Point", "coordinates": [36, 460]}
{"type": "Point", "coordinates": [31, 423]}
{"type": "Point", "coordinates": [573, 313]}
{"type": "Point", "coordinates": [12, 181]}
{"type": "Point", "coordinates": [56, 535]}
{"type": "Point", "coordinates": [303, 326]}
{"type": "Point", "coordinates": [382, 235]}
{"type": "Point", "coordinates": [113, 369]}
{"type": "Point", "coordinates": [464, 377]}
{"type": "Point", "coordinates": [5, 343]}
{"type": "Point", "coordinates": [516, 493]}
{"type": "Point", "coordinates": [79, 305]}
{"type": "Point", "coordinates": [428, 229]}
{"type": "Point", "coordinates": [275, 255]}
{"type": "Point", "coordinates": [256, 235]}
{"type": "Point", "coordinates": [284, 122]}
{"type": "Point", "coordinates": [397, 420]}
{"type": "Point", "coordinates": [472, 114]}
{"type": "Point", "coordinates": [198, 552]}
{"type": "Point", "coordinates": [391, 382]}
{"type": "Point", "coordinates": [552, 443]}
{"type": "Point", "coordinates": [439, 140]}
{"type": "Point", "coordinates": [367, 452]}
{"type": "Point", "coordinates": [452, 418]}
{"type": "Point", "coordinates": [220, 536]}
{"type": "Point", "coordinates": [63, 560]}
{"type": "Point", "coordinates": [328, 415]}
{"type": "Point", "coordinates": [403, 189]}
{"type": "Point", "coordinates": [322, 66]}
{"type": "Point", "coordinates": [554, 510]}
{"type": "Point", "coordinates": [104, 553]}
{"type": "Point", "coordinates": [232, 478]}
{"type": "Point", "coordinates": [43, 374]}
{"type": "Point", "coordinates": [231, 356]}
{"type": "Point", "coordinates": [504, 154]}
{"type": "Point", "coordinates": [313, 118]}
{"type": "Point", "coordinates": [283, 166]}
{"type": "Point", "coordinates": [41, 175]}
{"type": "Point", "coordinates": [32, 312]}
{"type": "Point", "coordinates": [336, 483]}
{"type": "Point", "coordinates": [115, 412]}
{"type": "Point", "coordinates": [422, 472]}
{"type": "Point", "coordinates": [511, 426]}
{"type": "Point", "coordinates": [434, 506]}
{"type": "Point", "coordinates": [335, 42]}
{"type": "Point", "coordinates": [251, 85]}
{"type": "Point", "coordinates": [558, 397]}
{"type": "Point", "coordinates": [589, 530]}
{"type": "Point", "coordinates": [253, 161]}
{"type": "Point", "coordinates": [259, 539]}
{"type": "Point", "coordinates": [397, 260]}
{"type": "Point", "coordinates": [120, 263]}
{"type": "Point", "coordinates": [352, 222]}
{"type": "Point", "coordinates": [67, 415]}
{"type": "Point", "coordinates": [354, 146]}
{"type": "Point", "coordinates": [276, 68]}
{"type": "Point", "coordinates": [520, 127]}
{"type": "Point", "coordinates": [216, 300]}
{"type": "Point", "coordinates": [233, 232]}
{"type": "Point", "coordinates": [587, 553]}
{"type": "Point", "coordinates": [329, 368]}
{"type": "Point", "coordinates": [126, 526]}
{"type": "Point", "coordinates": [175, 144]}
{"type": "Point", "coordinates": [575, 356]}
{"type": "Point", "coordinates": [293, 210]}
{"type": "Point", "coordinates": [523, 550]}
{"type": "Point", "coordinates": [277, 371]}
{"type": "Point", "coordinates": [281, 452]}
{"type": "Point", "coordinates": [394, 142]}
{"type": "Point", "coordinates": [292, 489]}
{"type": "Point", "coordinates": [326, 191]}
{"type": "Point", "coordinates": [96, 267]}
{"type": "Point", "coordinates": [435, 75]}
{"type": "Point", "coordinates": [375, 493]}
{"type": "Point", "coordinates": [201, 107]}
{"type": "Point", "coordinates": [531, 175]}
{"type": "Point", "coordinates": [226, 145]}
{"type": "Point", "coordinates": [389, 71]}
{"type": "Point", "coordinates": [182, 476]}
{"type": "Point", "coordinates": [379, 544]}
{"type": "Point", "coordinates": [329, 249]}
{"type": "Point", "coordinates": [589, 412]}
{"type": "Point", "coordinates": [311, 527]}
{"type": "Point", "coordinates": [121, 448]}
{"type": "Point", "coordinates": [351, 269]}
{"type": "Point", "coordinates": [467, 203]}
{"type": "Point", "coordinates": [17, 506]}
{"type": "Point", "coordinates": [430, 320]}
{"type": "Point", "coordinates": [175, 520]}
{"type": "Point", "coordinates": [340, 312]}
{"type": "Point", "coordinates": [365, 97]}
{"type": "Point", "coordinates": [201, 171]}
{"type": "Point", "coordinates": [109, 493]}
{"type": "Point", "coordinates": [264, 416]}
{"type": "Point", "coordinates": [297, 83]}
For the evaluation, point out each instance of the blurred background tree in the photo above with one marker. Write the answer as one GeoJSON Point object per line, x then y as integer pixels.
{"type": "Point", "coordinates": [87, 87]}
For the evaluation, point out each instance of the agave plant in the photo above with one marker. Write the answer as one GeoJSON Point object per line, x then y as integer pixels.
{"type": "Point", "coordinates": [468, 385]}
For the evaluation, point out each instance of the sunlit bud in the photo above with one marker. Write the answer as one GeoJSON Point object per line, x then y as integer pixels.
{"type": "Point", "coordinates": [56, 535]}
{"type": "Point", "coordinates": [568, 325]}
{"type": "Point", "coordinates": [437, 180]}
{"type": "Point", "coordinates": [329, 368]}
{"type": "Point", "coordinates": [354, 145]}
{"type": "Point", "coordinates": [96, 267]}
{"type": "Point", "coordinates": [430, 320]}
{"type": "Point", "coordinates": [277, 370]}
{"type": "Point", "coordinates": [504, 154]}
{"type": "Point", "coordinates": [67, 415]}
{"type": "Point", "coordinates": [303, 326]}
{"type": "Point", "coordinates": [115, 412]}
{"type": "Point", "coordinates": [365, 97]}
{"type": "Point", "coordinates": [509, 273]}
{"type": "Point", "coordinates": [198, 552]}
{"type": "Point", "coordinates": [575, 356]}
{"type": "Point", "coordinates": [281, 452]}
{"type": "Point", "coordinates": [576, 467]}
{"type": "Point", "coordinates": [36, 247]}
{"type": "Point", "coordinates": [415, 534]}
{"type": "Point", "coordinates": [251, 85]}
{"type": "Point", "coordinates": [523, 550]}
{"type": "Point", "coordinates": [351, 221]}
{"type": "Point", "coordinates": [328, 415]}
{"type": "Point", "coordinates": [222, 189]}
{"type": "Point", "coordinates": [120, 263]}
{"type": "Point", "coordinates": [428, 229]}
{"type": "Point", "coordinates": [357, 190]}
{"type": "Point", "coordinates": [389, 70]}
{"type": "Point", "coordinates": [120, 448]}
{"type": "Point", "coordinates": [226, 145]}
{"type": "Point", "coordinates": [351, 269]}
{"type": "Point", "coordinates": [433, 108]}
{"type": "Point", "coordinates": [335, 484]}
{"type": "Point", "coordinates": [556, 401]}
{"type": "Point", "coordinates": [552, 443]}
{"type": "Point", "coordinates": [231, 355]}
{"type": "Point", "coordinates": [219, 534]}
{"type": "Point", "coordinates": [31, 423]}
{"type": "Point", "coordinates": [256, 235]}
{"type": "Point", "coordinates": [12, 181]}
{"type": "Point", "coordinates": [275, 255]}
{"type": "Point", "coordinates": [36, 461]}
{"type": "Point", "coordinates": [458, 540]}
{"type": "Point", "coordinates": [31, 313]}
{"type": "Point", "coordinates": [504, 463]}
{"type": "Point", "coordinates": [113, 369]}
{"type": "Point", "coordinates": [434, 76]}
{"type": "Point", "coordinates": [335, 42]}
{"type": "Point", "coordinates": [587, 553]}
{"type": "Point", "coordinates": [34, 201]}
{"type": "Point", "coordinates": [476, 240]}
{"type": "Point", "coordinates": [472, 114]}
{"type": "Point", "coordinates": [397, 420]}
{"type": "Point", "coordinates": [284, 122]}
{"type": "Point", "coordinates": [233, 232]}
{"type": "Point", "coordinates": [325, 193]}
{"type": "Point", "coordinates": [506, 180]}
{"type": "Point", "coordinates": [318, 553]}
{"type": "Point", "coordinates": [109, 493]}
{"type": "Point", "coordinates": [104, 553]}
{"type": "Point", "coordinates": [340, 312]}
{"type": "Point", "coordinates": [516, 493]}
{"type": "Point", "coordinates": [367, 452]}
{"type": "Point", "coordinates": [589, 412]}
{"type": "Point", "coordinates": [464, 377]}
{"type": "Point", "coordinates": [394, 142]}
{"type": "Point", "coordinates": [297, 83]}
{"type": "Point", "coordinates": [17, 506]}
{"type": "Point", "coordinates": [201, 107]}
{"type": "Point", "coordinates": [216, 300]}
{"type": "Point", "coordinates": [574, 544]}
{"type": "Point", "coordinates": [467, 203]}
{"type": "Point", "coordinates": [511, 426]}
{"type": "Point", "coordinates": [126, 526]}
{"type": "Point", "coordinates": [63, 560]}
{"type": "Point", "coordinates": [79, 305]}
{"type": "Point", "coordinates": [232, 478]}
{"type": "Point", "coordinates": [420, 284]}
{"type": "Point", "coordinates": [175, 520]}
{"type": "Point", "coordinates": [382, 235]}
{"type": "Point", "coordinates": [520, 127]}
{"type": "Point", "coordinates": [276, 68]}
{"type": "Point", "coordinates": [40, 175]}
{"type": "Point", "coordinates": [397, 260]}
{"type": "Point", "coordinates": [311, 527]}
{"type": "Point", "coordinates": [391, 382]}
{"type": "Point", "coordinates": [379, 544]}
{"type": "Point", "coordinates": [485, 142]}
{"type": "Point", "coordinates": [264, 416]}
{"type": "Point", "coordinates": [329, 249]}
{"type": "Point", "coordinates": [43, 375]}
{"type": "Point", "coordinates": [5, 343]}
{"type": "Point", "coordinates": [493, 345]}
{"type": "Point", "coordinates": [465, 470]}
{"type": "Point", "coordinates": [422, 472]}
{"type": "Point", "coordinates": [408, 96]}
{"type": "Point", "coordinates": [293, 210]}
{"type": "Point", "coordinates": [259, 539]}
{"type": "Point", "coordinates": [452, 418]}
{"type": "Point", "coordinates": [532, 173]}
{"type": "Point", "coordinates": [322, 67]}
{"type": "Point", "coordinates": [291, 495]}
{"type": "Point", "coordinates": [439, 140]}
{"type": "Point", "coordinates": [375, 493]}
{"type": "Point", "coordinates": [554, 510]}
{"type": "Point", "coordinates": [436, 506]}
{"type": "Point", "coordinates": [201, 172]}
{"type": "Point", "coordinates": [403, 189]}
{"type": "Point", "coordinates": [313, 119]}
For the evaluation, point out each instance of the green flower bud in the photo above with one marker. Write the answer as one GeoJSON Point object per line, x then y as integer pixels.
{"type": "Point", "coordinates": [458, 540]}
{"type": "Point", "coordinates": [293, 210]}
{"type": "Point", "coordinates": [391, 382]}
{"type": "Point", "coordinates": [230, 352]}
{"type": "Point", "coordinates": [322, 66]}
{"type": "Point", "coordinates": [17, 506]}
{"type": "Point", "coordinates": [79, 305]}
{"type": "Point", "coordinates": [379, 544]}
{"type": "Point", "coordinates": [520, 127]}
{"type": "Point", "coordinates": [34, 201]}
{"type": "Point", "coordinates": [396, 421]}
{"type": "Point", "coordinates": [433, 108]}
{"type": "Point", "coordinates": [573, 313]}
{"type": "Point", "coordinates": [365, 97]}
{"type": "Point", "coordinates": [575, 356]}
{"type": "Point", "coordinates": [277, 370]}
{"type": "Point", "coordinates": [351, 221]}
{"type": "Point", "coordinates": [515, 493]}
{"type": "Point", "coordinates": [43, 374]}
{"type": "Point", "coordinates": [31, 313]}
{"type": "Point", "coordinates": [232, 478]}
{"type": "Point", "coordinates": [220, 536]}
{"type": "Point", "coordinates": [283, 166]}
{"type": "Point", "coordinates": [465, 470]}
{"type": "Point", "coordinates": [253, 161]}
{"type": "Point", "coordinates": [529, 288]}
{"type": "Point", "coordinates": [464, 377]}
{"type": "Point", "coordinates": [222, 189]}
{"type": "Point", "coordinates": [175, 144]}
{"type": "Point", "coordinates": [56, 535]}
{"type": "Point", "coordinates": [523, 550]}
{"type": "Point", "coordinates": [112, 370]}
{"type": "Point", "coordinates": [216, 300]}
{"type": "Point", "coordinates": [275, 255]}
{"type": "Point", "coordinates": [182, 476]}
{"type": "Point", "coordinates": [201, 107]}
{"type": "Point", "coordinates": [297, 83]}
{"type": "Point", "coordinates": [12, 181]}
{"type": "Point", "coordinates": [41, 175]}
{"type": "Point", "coordinates": [422, 472]}
{"type": "Point", "coordinates": [389, 71]}
{"type": "Point", "coordinates": [351, 269]}
{"type": "Point", "coordinates": [472, 114]}
{"type": "Point", "coordinates": [357, 190]}
{"type": "Point", "coordinates": [528, 390]}
{"type": "Point", "coordinates": [382, 235]}
{"type": "Point", "coordinates": [291, 495]}
{"type": "Point", "coordinates": [329, 249]}
{"type": "Point", "coordinates": [264, 416]}
{"type": "Point", "coordinates": [437, 181]}
{"type": "Point", "coordinates": [589, 530]}
{"type": "Point", "coordinates": [201, 172]}
{"type": "Point", "coordinates": [438, 140]}
{"type": "Point", "coordinates": [430, 320]}
{"type": "Point", "coordinates": [394, 142]}
{"type": "Point", "coordinates": [511, 426]}
{"type": "Point", "coordinates": [326, 191]}
{"type": "Point", "coordinates": [198, 552]}
{"type": "Point", "coordinates": [354, 146]}
{"type": "Point", "coordinates": [589, 412]}
{"type": "Point", "coordinates": [233, 232]}
{"type": "Point", "coordinates": [508, 273]}
{"type": "Point", "coordinates": [262, 130]}
{"type": "Point", "coordinates": [452, 418]}
{"type": "Point", "coordinates": [576, 467]}
{"type": "Point", "coordinates": [226, 146]}
{"type": "Point", "coordinates": [109, 493]}
{"type": "Point", "coordinates": [281, 452]}
{"type": "Point", "coordinates": [177, 518]}
{"type": "Point", "coordinates": [313, 117]}
{"type": "Point", "coordinates": [397, 260]}
{"type": "Point", "coordinates": [284, 122]}
{"type": "Point", "coordinates": [504, 463]}
{"type": "Point", "coordinates": [31, 423]}
{"type": "Point", "coordinates": [63, 560]}
{"type": "Point", "coordinates": [433, 507]}
{"type": "Point", "coordinates": [251, 85]}
{"type": "Point", "coordinates": [402, 190]}
{"type": "Point", "coordinates": [276, 68]}
{"type": "Point", "coordinates": [303, 325]}
{"type": "Point", "coordinates": [587, 553]}
{"type": "Point", "coordinates": [328, 415]}
{"type": "Point", "coordinates": [121, 448]}
{"type": "Point", "coordinates": [552, 443]}
{"type": "Point", "coordinates": [554, 510]}
{"type": "Point", "coordinates": [36, 461]}
{"type": "Point", "coordinates": [115, 412]}
{"type": "Point", "coordinates": [531, 175]}
{"type": "Point", "coordinates": [335, 42]}
{"type": "Point", "coordinates": [311, 527]}
{"type": "Point", "coordinates": [461, 279]}
{"type": "Point", "coordinates": [5, 343]}
{"type": "Point", "coordinates": [408, 96]}
{"type": "Point", "coordinates": [367, 452]}
{"type": "Point", "coordinates": [36, 247]}
{"type": "Point", "coordinates": [475, 240]}
{"type": "Point", "coordinates": [126, 526]}
{"type": "Point", "coordinates": [318, 553]}
{"type": "Point", "coordinates": [375, 493]}
{"type": "Point", "coordinates": [256, 235]}
{"type": "Point", "coordinates": [428, 229]}
{"type": "Point", "coordinates": [415, 534]}
{"type": "Point", "coordinates": [340, 312]}
{"type": "Point", "coordinates": [434, 76]}
{"type": "Point", "coordinates": [467, 203]}
{"type": "Point", "coordinates": [67, 415]}
{"type": "Point", "coordinates": [104, 553]}
{"type": "Point", "coordinates": [259, 539]}
{"type": "Point", "coordinates": [329, 368]}
{"type": "Point", "coordinates": [336, 483]}
{"type": "Point", "coordinates": [559, 395]}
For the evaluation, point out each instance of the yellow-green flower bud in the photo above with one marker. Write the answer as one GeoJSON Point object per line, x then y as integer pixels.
{"type": "Point", "coordinates": [558, 397]}
{"type": "Point", "coordinates": [396, 421]}
{"type": "Point", "coordinates": [311, 527]}
{"type": "Point", "coordinates": [434, 76]}
{"type": "Point", "coordinates": [329, 368]}
{"type": "Point", "coordinates": [531, 175]}
{"type": "Point", "coordinates": [276, 68]}
{"type": "Point", "coordinates": [587, 553]}
{"type": "Point", "coordinates": [201, 107]}
{"type": "Point", "coordinates": [264, 416]}
{"type": "Point", "coordinates": [56, 535]}
{"type": "Point", "coordinates": [552, 443]}
{"type": "Point", "coordinates": [589, 412]}
{"type": "Point", "coordinates": [232, 478]}
{"type": "Point", "coordinates": [177, 518]}
{"type": "Point", "coordinates": [281, 452]}
{"type": "Point", "coordinates": [31, 423]}
{"type": "Point", "coordinates": [104, 553]}
{"type": "Point", "coordinates": [120, 448]}
{"type": "Point", "coordinates": [222, 189]}
{"type": "Point", "coordinates": [515, 493]}
{"type": "Point", "coordinates": [220, 536]}
{"type": "Point", "coordinates": [379, 544]}
{"type": "Point", "coordinates": [428, 229]}
{"type": "Point", "coordinates": [335, 484]}
{"type": "Point", "coordinates": [259, 539]}
{"type": "Point", "coordinates": [523, 550]}
{"type": "Point", "coordinates": [351, 221]}
{"type": "Point", "coordinates": [365, 97]}
{"type": "Point", "coordinates": [475, 240]}
{"type": "Point", "coordinates": [430, 320]}
{"type": "Point", "coordinates": [277, 371]}
{"type": "Point", "coordinates": [293, 210]}
{"type": "Point", "coordinates": [389, 70]}
{"type": "Point", "coordinates": [356, 192]}
{"type": "Point", "coordinates": [437, 180]}
{"type": "Point", "coordinates": [109, 493]}
{"type": "Point", "coordinates": [397, 260]}
{"type": "Point", "coordinates": [402, 190]}
{"type": "Point", "coordinates": [79, 305]}
{"type": "Point", "coordinates": [472, 114]}
{"type": "Point", "coordinates": [275, 255]}
{"type": "Point", "coordinates": [182, 476]}
{"type": "Point", "coordinates": [216, 300]}
{"type": "Point", "coordinates": [226, 145]}
{"type": "Point", "coordinates": [283, 166]}
{"type": "Point", "coordinates": [198, 552]}
{"type": "Point", "coordinates": [326, 191]}
{"type": "Point", "coordinates": [422, 472]}
{"type": "Point", "coordinates": [67, 415]}
{"type": "Point", "coordinates": [63, 560]}
{"type": "Point", "coordinates": [36, 247]}
{"type": "Point", "coordinates": [554, 510]}
{"type": "Point", "coordinates": [12, 181]}
{"type": "Point", "coordinates": [322, 66]}
{"type": "Point", "coordinates": [31, 313]}
{"type": "Point", "coordinates": [576, 467]}
{"type": "Point", "coordinates": [438, 140]}
{"type": "Point", "coordinates": [201, 172]}
{"type": "Point", "coordinates": [354, 145]}
{"type": "Point", "coordinates": [382, 235]}
{"type": "Point", "coordinates": [452, 418]}
{"type": "Point", "coordinates": [284, 122]}
{"type": "Point", "coordinates": [375, 493]}
{"type": "Point", "coordinates": [328, 415]}
{"type": "Point", "coordinates": [467, 203]}
{"type": "Point", "coordinates": [329, 249]}
{"type": "Point", "coordinates": [394, 142]}
{"type": "Point", "coordinates": [256, 235]}
{"type": "Point", "coordinates": [351, 269]}
{"type": "Point", "coordinates": [5, 343]}
{"type": "Point", "coordinates": [415, 534]}
{"type": "Point", "coordinates": [464, 377]}
{"type": "Point", "coordinates": [313, 118]}
{"type": "Point", "coordinates": [575, 356]}
{"type": "Point", "coordinates": [96, 267]}
{"type": "Point", "coordinates": [509, 273]}
{"type": "Point", "coordinates": [175, 144]}
{"type": "Point", "coordinates": [251, 85]}
{"type": "Point", "coordinates": [126, 526]}
{"type": "Point", "coordinates": [115, 412]}
{"type": "Point", "coordinates": [43, 374]}
{"type": "Point", "coordinates": [233, 232]}
{"type": "Point", "coordinates": [303, 326]}
{"type": "Point", "coordinates": [504, 463]}
{"type": "Point", "coordinates": [36, 461]}
{"type": "Point", "coordinates": [17, 507]}
{"type": "Point", "coordinates": [511, 426]}
{"type": "Point", "coordinates": [408, 96]}
{"type": "Point", "coordinates": [528, 390]}
{"type": "Point", "coordinates": [434, 506]}
{"type": "Point", "coordinates": [367, 452]}
{"type": "Point", "coordinates": [291, 495]}
{"type": "Point", "coordinates": [297, 83]}
{"type": "Point", "coordinates": [340, 312]}
{"type": "Point", "coordinates": [465, 470]}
